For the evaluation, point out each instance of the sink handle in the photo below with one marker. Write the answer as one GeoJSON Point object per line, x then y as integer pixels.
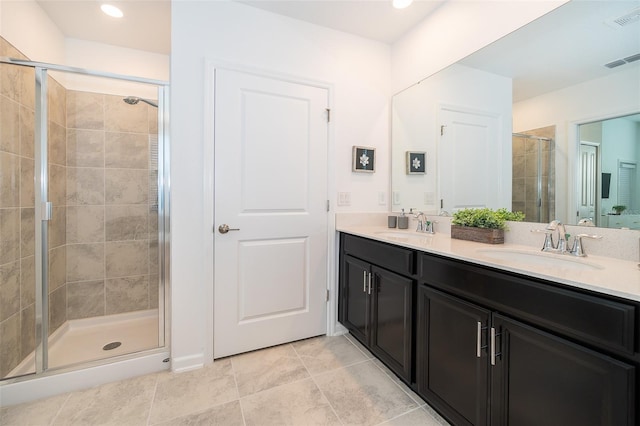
{"type": "Point", "coordinates": [548, 244]}
{"type": "Point", "coordinates": [577, 249]}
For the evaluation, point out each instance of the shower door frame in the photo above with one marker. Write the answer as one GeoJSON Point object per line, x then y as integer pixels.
{"type": "Point", "coordinates": [43, 208]}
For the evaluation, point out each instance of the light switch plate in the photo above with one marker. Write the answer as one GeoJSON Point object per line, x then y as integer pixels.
{"type": "Point", "coordinates": [344, 198]}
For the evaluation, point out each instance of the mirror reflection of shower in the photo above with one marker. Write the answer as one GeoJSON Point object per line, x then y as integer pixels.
{"type": "Point", "coordinates": [133, 100]}
{"type": "Point", "coordinates": [534, 174]}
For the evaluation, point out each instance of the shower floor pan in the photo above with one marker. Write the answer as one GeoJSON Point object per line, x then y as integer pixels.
{"type": "Point", "coordinates": [83, 340]}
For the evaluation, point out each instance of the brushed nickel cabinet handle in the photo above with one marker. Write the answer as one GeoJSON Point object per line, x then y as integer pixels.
{"type": "Point", "coordinates": [364, 281]}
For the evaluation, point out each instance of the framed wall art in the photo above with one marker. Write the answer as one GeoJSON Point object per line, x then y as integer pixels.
{"type": "Point", "coordinates": [364, 159]}
{"type": "Point", "coordinates": [416, 162]}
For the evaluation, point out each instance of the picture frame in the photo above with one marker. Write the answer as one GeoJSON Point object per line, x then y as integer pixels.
{"type": "Point", "coordinates": [416, 162]}
{"type": "Point", "coordinates": [363, 159]}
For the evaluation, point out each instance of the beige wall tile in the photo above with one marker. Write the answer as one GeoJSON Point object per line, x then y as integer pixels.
{"type": "Point", "coordinates": [27, 132]}
{"type": "Point", "coordinates": [57, 99]}
{"type": "Point", "coordinates": [28, 87]}
{"type": "Point", "coordinates": [27, 281]}
{"type": "Point", "coordinates": [9, 235]}
{"type": "Point", "coordinates": [153, 225]}
{"type": "Point", "coordinates": [126, 258]}
{"type": "Point", "coordinates": [27, 232]}
{"type": "Point", "coordinates": [154, 264]}
{"type": "Point", "coordinates": [10, 81]}
{"type": "Point", "coordinates": [85, 110]}
{"type": "Point", "coordinates": [9, 344]}
{"type": "Point", "coordinates": [154, 295]}
{"type": "Point", "coordinates": [85, 148]}
{"type": "Point", "coordinates": [57, 185]}
{"type": "Point", "coordinates": [85, 299]}
{"type": "Point", "coordinates": [57, 308]}
{"type": "Point", "coordinates": [122, 117]}
{"type": "Point", "coordinates": [123, 186]}
{"type": "Point", "coordinates": [27, 185]}
{"type": "Point", "coordinates": [152, 114]}
{"type": "Point", "coordinates": [126, 150]}
{"type": "Point", "coordinates": [9, 289]}
{"type": "Point", "coordinates": [126, 223]}
{"type": "Point", "coordinates": [85, 224]}
{"type": "Point", "coordinates": [9, 180]}
{"type": "Point", "coordinates": [85, 262]}
{"type": "Point", "coordinates": [57, 267]}
{"type": "Point", "coordinates": [127, 294]}
{"type": "Point", "coordinates": [57, 227]}
{"type": "Point", "coordinates": [27, 331]}
{"type": "Point", "coordinates": [85, 186]}
{"type": "Point", "coordinates": [57, 144]}
{"type": "Point", "coordinates": [9, 125]}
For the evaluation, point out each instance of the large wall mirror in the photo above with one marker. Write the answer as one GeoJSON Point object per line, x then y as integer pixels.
{"type": "Point", "coordinates": [545, 120]}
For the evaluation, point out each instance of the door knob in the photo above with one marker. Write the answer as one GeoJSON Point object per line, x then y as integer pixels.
{"type": "Point", "coordinates": [224, 228]}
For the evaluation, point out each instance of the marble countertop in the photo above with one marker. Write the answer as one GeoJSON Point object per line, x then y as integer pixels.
{"type": "Point", "coordinates": [597, 273]}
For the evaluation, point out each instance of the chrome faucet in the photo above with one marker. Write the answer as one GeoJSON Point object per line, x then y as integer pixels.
{"type": "Point", "coordinates": [561, 232]}
{"type": "Point", "coordinates": [561, 245]}
{"type": "Point", "coordinates": [424, 225]}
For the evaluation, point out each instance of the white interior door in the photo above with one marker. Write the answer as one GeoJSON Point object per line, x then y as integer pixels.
{"type": "Point", "coordinates": [469, 160]}
{"type": "Point", "coordinates": [271, 185]}
{"type": "Point", "coordinates": [587, 197]}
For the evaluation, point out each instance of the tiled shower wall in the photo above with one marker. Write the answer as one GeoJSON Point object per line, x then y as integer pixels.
{"type": "Point", "coordinates": [525, 175]}
{"type": "Point", "coordinates": [103, 245]}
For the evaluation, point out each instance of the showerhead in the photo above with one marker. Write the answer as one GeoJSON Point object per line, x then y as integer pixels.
{"type": "Point", "coordinates": [133, 100]}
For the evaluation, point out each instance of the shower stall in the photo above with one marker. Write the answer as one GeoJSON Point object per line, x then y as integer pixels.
{"type": "Point", "coordinates": [534, 175]}
{"type": "Point", "coordinates": [83, 218]}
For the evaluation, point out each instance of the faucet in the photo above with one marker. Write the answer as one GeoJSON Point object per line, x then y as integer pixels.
{"type": "Point", "coordinates": [561, 244]}
{"type": "Point", "coordinates": [424, 225]}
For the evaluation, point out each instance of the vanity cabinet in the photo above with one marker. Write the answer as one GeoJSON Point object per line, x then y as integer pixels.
{"type": "Point", "coordinates": [484, 346]}
{"type": "Point", "coordinates": [376, 303]}
{"type": "Point", "coordinates": [479, 365]}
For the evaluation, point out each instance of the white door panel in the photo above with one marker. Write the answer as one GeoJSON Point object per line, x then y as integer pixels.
{"type": "Point", "coordinates": [271, 184]}
{"type": "Point", "coordinates": [469, 160]}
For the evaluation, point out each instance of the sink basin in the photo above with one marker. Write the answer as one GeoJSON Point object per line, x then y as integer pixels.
{"type": "Point", "coordinates": [400, 234]}
{"type": "Point", "coordinates": [532, 258]}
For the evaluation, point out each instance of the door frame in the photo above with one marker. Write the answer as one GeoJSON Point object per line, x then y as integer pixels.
{"type": "Point", "coordinates": [208, 195]}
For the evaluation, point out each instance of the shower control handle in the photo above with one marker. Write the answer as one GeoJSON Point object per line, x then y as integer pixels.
{"type": "Point", "coordinates": [224, 228]}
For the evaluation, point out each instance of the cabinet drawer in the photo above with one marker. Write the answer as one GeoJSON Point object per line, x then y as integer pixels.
{"type": "Point", "coordinates": [596, 320]}
{"type": "Point", "coordinates": [394, 258]}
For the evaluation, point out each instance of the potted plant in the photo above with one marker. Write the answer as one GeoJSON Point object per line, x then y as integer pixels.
{"type": "Point", "coordinates": [619, 209]}
{"type": "Point", "coordinates": [482, 225]}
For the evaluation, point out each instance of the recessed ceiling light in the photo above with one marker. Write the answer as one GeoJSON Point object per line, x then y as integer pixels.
{"type": "Point", "coordinates": [401, 4]}
{"type": "Point", "coordinates": [112, 11]}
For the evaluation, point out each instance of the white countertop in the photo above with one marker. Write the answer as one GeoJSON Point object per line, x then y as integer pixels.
{"type": "Point", "coordinates": [597, 273]}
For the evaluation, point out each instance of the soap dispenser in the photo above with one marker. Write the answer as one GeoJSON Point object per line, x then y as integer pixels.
{"type": "Point", "coordinates": [403, 221]}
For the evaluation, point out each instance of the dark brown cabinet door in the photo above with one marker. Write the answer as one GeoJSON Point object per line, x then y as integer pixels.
{"type": "Point", "coordinates": [541, 379]}
{"type": "Point", "coordinates": [391, 319]}
{"type": "Point", "coordinates": [451, 357]}
{"type": "Point", "coordinates": [354, 297]}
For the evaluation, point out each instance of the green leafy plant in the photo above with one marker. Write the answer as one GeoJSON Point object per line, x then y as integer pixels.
{"type": "Point", "coordinates": [486, 218]}
{"type": "Point", "coordinates": [619, 209]}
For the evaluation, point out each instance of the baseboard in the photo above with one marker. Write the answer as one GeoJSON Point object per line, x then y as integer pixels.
{"type": "Point", "coordinates": [187, 363]}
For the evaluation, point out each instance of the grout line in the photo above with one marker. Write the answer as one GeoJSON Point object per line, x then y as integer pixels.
{"type": "Point", "coordinates": [317, 386]}
{"type": "Point", "coordinates": [235, 380]}
{"type": "Point", "coordinates": [153, 399]}
{"type": "Point", "coordinates": [53, 420]}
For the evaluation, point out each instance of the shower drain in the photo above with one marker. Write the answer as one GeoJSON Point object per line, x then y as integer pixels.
{"type": "Point", "coordinates": [110, 346]}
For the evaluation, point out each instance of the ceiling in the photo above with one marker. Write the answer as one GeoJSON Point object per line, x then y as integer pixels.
{"type": "Point", "coordinates": [146, 24]}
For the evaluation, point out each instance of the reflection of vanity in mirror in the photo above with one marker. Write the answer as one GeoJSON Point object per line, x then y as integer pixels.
{"type": "Point", "coordinates": [535, 122]}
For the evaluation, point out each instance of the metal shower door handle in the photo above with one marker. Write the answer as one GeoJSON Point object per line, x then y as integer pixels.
{"type": "Point", "coordinates": [224, 228]}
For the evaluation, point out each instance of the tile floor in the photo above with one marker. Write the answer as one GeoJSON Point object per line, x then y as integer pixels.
{"type": "Point", "coordinates": [323, 380]}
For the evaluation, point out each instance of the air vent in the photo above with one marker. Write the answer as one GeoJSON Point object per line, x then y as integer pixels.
{"type": "Point", "coordinates": [615, 63]}
{"type": "Point", "coordinates": [632, 58]}
{"type": "Point", "coordinates": [626, 19]}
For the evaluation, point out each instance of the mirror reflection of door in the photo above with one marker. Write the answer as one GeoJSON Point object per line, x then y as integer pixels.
{"type": "Point", "coordinates": [587, 199]}
{"type": "Point", "coordinates": [618, 152]}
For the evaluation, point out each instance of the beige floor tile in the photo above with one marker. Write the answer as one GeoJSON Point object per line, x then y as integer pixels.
{"type": "Point", "coordinates": [40, 412]}
{"type": "Point", "coordinates": [228, 414]}
{"type": "Point", "coordinates": [398, 382]}
{"type": "Point", "coordinates": [322, 354]}
{"type": "Point", "coordinates": [363, 395]}
{"type": "Point", "coordinates": [267, 368]}
{"type": "Point", "coordinates": [417, 417]}
{"type": "Point", "coordinates": [299, 403]}
{"type": "Point", "coordinates": [359, 345]}
{"type": "Point", "coordinates": [126, 402]}
{"type": "Point", "coordinates": [179, 394]}
{"type": "Point", "coordinates": [435, 415]}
